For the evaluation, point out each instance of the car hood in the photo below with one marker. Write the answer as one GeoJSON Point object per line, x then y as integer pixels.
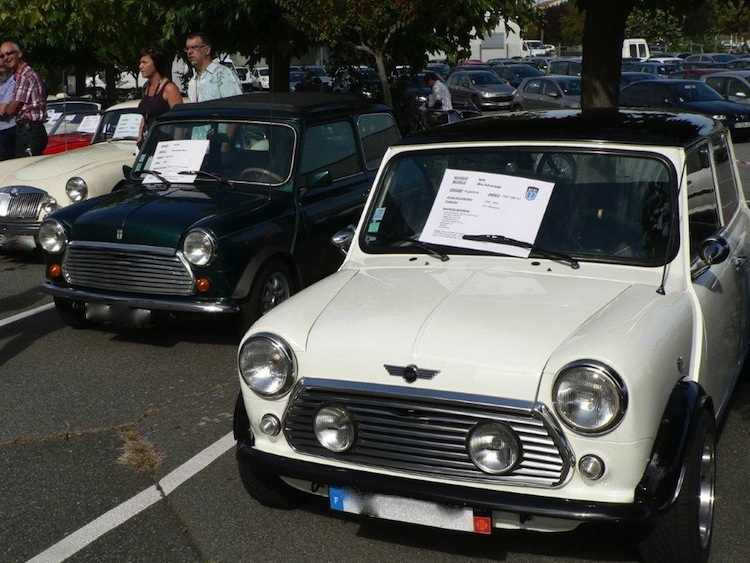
{"type": "Point", "coordinates": [68, 163]}
{"type": "Point", "coordinates": [158, 218]}
{"type": "Point", "coordinates": [473, 326]}
{"type": "Point", "coordinates": [716, 107]}
{"type": "Point", "coordinates": [496, 88]}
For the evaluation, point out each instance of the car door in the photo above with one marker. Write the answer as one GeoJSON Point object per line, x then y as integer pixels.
{"type": "Point", "coordinates": [550, 95]}
{"type": "Point", "coordinates": [721, 288]}
{"type": "Point", "coordinates": [532, 94]}
{"type": "Point", "coordinates": [333, 185]}
{"type": "Point", "coordinates": [737, 90]}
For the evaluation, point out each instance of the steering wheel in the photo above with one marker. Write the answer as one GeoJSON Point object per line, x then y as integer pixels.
{"type": "Point", "coordinates": [247, 174]}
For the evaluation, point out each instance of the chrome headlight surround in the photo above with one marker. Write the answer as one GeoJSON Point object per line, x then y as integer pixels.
{"type": "Point", "coordinates": [52, 236]}
{"type": "Point", "coordinates": [200, 247]}
{"type": "Point", "coordinates": [49, 205]}
{"type": "Point", "coordinates": [334, 428]}
{"type": "Point", "coordinates": [77, 189]}
{"type": "Point", "coordinates": [589, 397]}
{"type": "Point", "coordinates": [267, 365]}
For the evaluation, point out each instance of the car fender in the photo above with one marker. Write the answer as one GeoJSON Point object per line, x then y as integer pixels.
{"type": "Point", "coordinates": [665, 470]}
{"type": "Point", "coordinates": [242, 289]}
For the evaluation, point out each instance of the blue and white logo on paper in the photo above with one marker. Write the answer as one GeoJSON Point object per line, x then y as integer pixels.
{"type": "Point", "coordinates": [531, 193]}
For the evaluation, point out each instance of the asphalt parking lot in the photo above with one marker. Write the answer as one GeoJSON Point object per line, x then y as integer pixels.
{"type": "Point", "coordinates": [116, 446]}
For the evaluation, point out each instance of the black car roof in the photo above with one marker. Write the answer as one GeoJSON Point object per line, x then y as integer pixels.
{"type": "Point", "coordinates": [640, 127]}
{"type": "Point", "coordinates": [281, 104]}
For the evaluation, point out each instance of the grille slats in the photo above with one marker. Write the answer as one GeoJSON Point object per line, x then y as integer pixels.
{"type": "Point", "coordinates": [25, 205]}
{"type": "Point", "coordinates": [127, 269]}
{"type": "Point", "coordinates": [427, 435]}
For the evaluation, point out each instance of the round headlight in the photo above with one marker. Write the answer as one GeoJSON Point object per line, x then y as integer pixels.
{"type": "Point", "coordinates": [589, 398]}
{"type": "Point", "coordinates": [52, 237]}
{"type": "Point", "coordinates": [76, 189]}
{"type": "Point", "coordinates": [493, 447]}
{"type": "Point", "coordinates": [334, 428]}
{"type": "Point", "coordinates": [267, 365]}
{"type": "Point", "coordinates": [49, 204]}
{"type": "Point", "coordinates": [199, 248]}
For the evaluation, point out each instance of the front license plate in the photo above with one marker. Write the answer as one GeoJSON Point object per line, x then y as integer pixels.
{"type": "Point", "coordinates": [103, 313]}
{"type": "Point", "coordinates": [408, 510]}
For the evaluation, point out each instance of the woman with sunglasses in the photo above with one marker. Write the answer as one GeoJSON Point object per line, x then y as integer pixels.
{"type": "Point", "coordinates": [160, 94]}
{"type": "Point", "coordinates": [29, 103]}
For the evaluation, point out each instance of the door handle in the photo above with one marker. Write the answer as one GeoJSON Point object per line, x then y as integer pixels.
{"type": "Point", "coordinates": [740, 261]}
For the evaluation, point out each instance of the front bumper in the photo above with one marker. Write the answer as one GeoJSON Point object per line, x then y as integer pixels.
{"type": "Point", "coordinates": [21, 228]}
{"type": "Point", "coordinates": [219, 306]}
{"type": "Point", "coordinates": [482, 499]}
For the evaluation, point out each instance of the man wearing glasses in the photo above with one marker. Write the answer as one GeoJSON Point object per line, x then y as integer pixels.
{"type": "Point", "coordinates": [210, 80]}
{"type": "Point", "coordinates": [29, 103]}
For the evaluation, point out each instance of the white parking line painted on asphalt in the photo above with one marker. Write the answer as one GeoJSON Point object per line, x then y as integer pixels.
{"type": "Point", "coordinates": [130, 508]}
{"type": "Point", "coordinates": [29, 313]}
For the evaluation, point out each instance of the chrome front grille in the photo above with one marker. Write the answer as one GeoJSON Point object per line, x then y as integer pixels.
{"type": "Point", "coordinates": [427, 433]}
{"type": "Point", "coordinates": [128, 269]}
{"type": "Point", "coordinates": [23, 203]}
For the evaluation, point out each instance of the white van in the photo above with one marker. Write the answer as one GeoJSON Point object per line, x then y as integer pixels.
{"type": "Point", "coordinates": [635, 49]}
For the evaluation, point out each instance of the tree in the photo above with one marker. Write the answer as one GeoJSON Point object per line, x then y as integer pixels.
{"type": "Point", "coordinates": [399, 29]}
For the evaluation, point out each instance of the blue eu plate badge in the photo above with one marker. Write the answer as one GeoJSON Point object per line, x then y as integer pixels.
{"type": "Point", "coordinates": [531, 193]}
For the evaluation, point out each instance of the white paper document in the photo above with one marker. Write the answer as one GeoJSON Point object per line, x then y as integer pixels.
{"type": "Point", "coordinates": [479, 203]}
{"type": "Point", "coordinates": [89, 124]}
{"type": "Point", "coordinates": [172, 157]}
{"type": "Point", "coordinates": [128, 126]}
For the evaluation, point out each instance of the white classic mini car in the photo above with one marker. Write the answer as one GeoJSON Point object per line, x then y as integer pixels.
{"type": "Point", "coordinates": [539, 323]}
{"type": "Point", "coordinates": [33, 187]}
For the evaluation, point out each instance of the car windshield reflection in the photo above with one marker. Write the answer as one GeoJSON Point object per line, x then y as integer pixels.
{"type": "Point", "coordinates": [250, 152]}
{"type": "Point", "coordinates": [603, 207]}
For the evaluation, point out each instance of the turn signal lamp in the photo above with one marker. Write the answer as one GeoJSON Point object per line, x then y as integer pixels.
{"type": "Point", "coordinates": [54, 271]}
{"type": "Point", "coordinates": [202, 285]}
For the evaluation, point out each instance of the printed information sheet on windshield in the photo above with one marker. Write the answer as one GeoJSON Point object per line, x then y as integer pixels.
{"type": "Point", "coordinates": [173, 157]}
{"type": "Point", "coordinates": [478, 203]}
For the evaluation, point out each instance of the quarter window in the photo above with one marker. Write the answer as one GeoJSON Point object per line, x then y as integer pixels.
{"type": "Point", "coordinates": [703, 211]}
{"type": "Point", "coordinates": [724, 177]}
{"type": "Point", "coordinates": [331, 147]}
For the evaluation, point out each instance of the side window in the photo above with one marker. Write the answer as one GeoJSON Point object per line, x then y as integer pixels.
{"type": "Point", "coordinates": [377, 132]}
{"type": "Point", "coordinates": [715, 82]}
{"type": "Point", "coordinates": [453, 79]}
{"type": "Point", "coordinates": [659, 97]}
{"type": "Point", "coordinates": [465, 82]}
{"type": "Point", "coordinates": [703, 211]}
{"type": "Point", "coordinates": [332, 147]}
{"type": "Point", "coordinates": [533, 86]}
{"type": "Point", "coordinates": [637, 96]}
{"type": "Point", "coordinates": [725, 180]}
{"type": "Point", "coordinates": [549, 88]}
{"type": "Point", "coordinates": [737, 87]}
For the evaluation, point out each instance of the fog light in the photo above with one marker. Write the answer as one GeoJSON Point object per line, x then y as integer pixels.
{"type": "Point", "coordinates": [493, 447]}
{"type": "Point", "coordinates": [270, 425]}
{"type": "Point", "coordinates": [334, 428]}
{"type": "Point", "coordinates": [591, 467]}
{"type": "Point", "coordinates": [202, 285]}
{"type": "Point", "coordinates": [54, 270]}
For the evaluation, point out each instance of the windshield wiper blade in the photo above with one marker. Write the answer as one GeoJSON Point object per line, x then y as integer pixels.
{"type": "Point", "coordinates": [204, 174]}
{"type": "Point", "coordinates": [428, 248]}
{"type": "Point", "coordinates": [551, 254]}
{"type": "Point", "coordinates": [158, 175]}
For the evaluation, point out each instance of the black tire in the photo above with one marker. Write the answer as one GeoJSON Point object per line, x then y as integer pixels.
{"type": "Point", "coordinates": [273, 284]}
{"type": "Point", "coordinates": [516, 107]}
{"type": "Point", "coordinates": [270, 490]}
{"type": "Point", "coordinates": [72, 313]}
{"type": "Point", "coordinates": [683, 533]}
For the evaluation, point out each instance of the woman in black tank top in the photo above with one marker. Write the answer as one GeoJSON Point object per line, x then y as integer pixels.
{"type": "Point", "coordinates": [160, 94]}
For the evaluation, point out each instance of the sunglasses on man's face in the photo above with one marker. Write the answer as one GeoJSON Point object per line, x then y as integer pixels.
{"type": "Point", "coordinates": [7, 54]}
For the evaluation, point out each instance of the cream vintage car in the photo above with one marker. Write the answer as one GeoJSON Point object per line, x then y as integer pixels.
{"type": "Point", "coordinates": [539, 323]}
{"type": "Point", "coordinates": [33, 187]}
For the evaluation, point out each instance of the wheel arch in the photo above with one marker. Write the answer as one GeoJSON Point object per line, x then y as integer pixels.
{"type": "Point", "coordinates": [245, 283]}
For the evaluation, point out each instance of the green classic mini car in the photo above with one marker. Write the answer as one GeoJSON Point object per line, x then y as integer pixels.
{"type": "Point", "coordinates": [230, 209]}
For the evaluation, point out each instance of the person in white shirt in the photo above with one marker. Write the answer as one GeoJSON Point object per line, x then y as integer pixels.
{"type": "Point", "coordinates": [211, 80]}
{"type": "Point", "coordinates": [440, 97]}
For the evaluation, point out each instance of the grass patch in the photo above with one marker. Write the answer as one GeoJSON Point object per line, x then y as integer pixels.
{"type": "Point", "coordinates": [139, 453]}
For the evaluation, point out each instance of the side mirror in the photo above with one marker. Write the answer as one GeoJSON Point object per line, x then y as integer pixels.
{"type": "Point", "coordinates": [714, 250]}
{"type": "Point", "coordinates": [343, 239]}
{"type": "Point", "coordinates": [554, 94]}
{"type": "Point", "coordinates": [319, 179]}
{"type": "Point", "coordinates": [127, 170]}
{"type": "Point", "coordinates": [740, 95]}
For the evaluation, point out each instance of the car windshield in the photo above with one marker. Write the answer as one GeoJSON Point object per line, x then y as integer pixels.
{"type": "Point", "coordinates": [246, 152]}
{"type": "Point", "coordinates": [118, 125]}
{"type": "Point", "coordinates": [695, 92]}
{"type": "Point", "coordinates": [83, 122]}
{"type": "Point", "coordinates": [610, 207]}
{"type": "Point", "coordinates": [483, 78]}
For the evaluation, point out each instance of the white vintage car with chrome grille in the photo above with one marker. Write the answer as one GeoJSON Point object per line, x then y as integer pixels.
{"type": "Point", "coordinates": [539, 323]}
{"type": "Point", "coordinates": [33, 187]}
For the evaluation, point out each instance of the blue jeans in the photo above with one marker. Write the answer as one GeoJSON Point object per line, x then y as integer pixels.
{"type": "Point", "coordinates": [7, 143]}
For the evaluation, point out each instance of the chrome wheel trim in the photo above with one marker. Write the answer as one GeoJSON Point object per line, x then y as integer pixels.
{"type": "Point", "coordinates": [275, 291]}
{"type": "Point", "coordinates": [706, 496]}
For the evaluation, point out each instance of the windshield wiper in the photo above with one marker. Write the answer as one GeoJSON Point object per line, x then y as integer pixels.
{"type": "Point", "coordinates": [428, 248]}
{"type": "Point", "coordinates": [204, 174]}
{"type": "Point", "coordinates": [551, 254]}
{"type": "Point", "coordinates": [158, 175]}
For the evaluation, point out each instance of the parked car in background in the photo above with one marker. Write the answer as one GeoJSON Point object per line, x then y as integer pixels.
{"type": "Point", "coordinates": [627, 77]}
{"type": "Point", "coordinates": [693, 73]}
{"type": "Point", "coordinates": [360, 80]}
{"type": "Point", "coordinates": [33, 187]}
{"type": "Point", "coordinates": [441, 69]}
{"type": "Point", "coordinates": [483, 88]}
{"type": "Point", "coordinates": [569, 66]}
{"type": "Point", "coordinates": [738, 64]}
{"type": "Point", "coordinates": [547, 92]}
{"type": "Point", "coordinates": [515, 73]}
{"type": "Point", "coordinates": [657, 70]}
{"type": "Point", "coordinates": [229, 211]}
{"type": "Point", "coordinates": [733, 86]}
{"type": "Point", "coordinates": [61, 105]}
{"type": "Point", "coordinates": [320, 73]}
{"type": "Point", "coordinates": [242, 73]}
{"type": "Point", "coordinates": [687, 95]}
{"type": "Point", "coordinates": [539, 323]}
{"type": "Point", "coordinates": [259, 78]}
{"type": "Point", "coordinates": [72, 130]}
{"type": "Point", "coordinates": [540, 63]}
{"type": "Point", "coordinates": [710, 58]}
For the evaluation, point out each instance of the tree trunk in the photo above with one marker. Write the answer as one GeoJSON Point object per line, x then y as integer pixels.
{"type": "Point", "coordinates": [603, 34]}
{"type": "Point", "coordinates": [380, 64]}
